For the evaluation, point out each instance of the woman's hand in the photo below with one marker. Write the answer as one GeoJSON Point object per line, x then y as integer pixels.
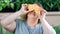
{"type": "Point", "coordinates": [24, 9]}
{"type": "Point", "coordinates": [42, 14]}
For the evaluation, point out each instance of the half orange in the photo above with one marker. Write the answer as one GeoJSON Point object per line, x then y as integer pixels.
{"type": "Point", "coordinates": [31, 7]}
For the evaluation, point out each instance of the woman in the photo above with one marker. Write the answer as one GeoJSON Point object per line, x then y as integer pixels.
{"type": "Point", "coordinates": [30, 25]}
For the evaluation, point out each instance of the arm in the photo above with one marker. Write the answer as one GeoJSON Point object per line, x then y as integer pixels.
{"type": "Point", "coordinates": [9, 22]}
{"type": "Point", "coordinates": [46, 27]}
{"type": "Point", "coordinates": [10, 19]}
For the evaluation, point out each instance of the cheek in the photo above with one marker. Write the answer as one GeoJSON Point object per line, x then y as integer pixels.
{"type": "Point", "coordinates": [30, 15]}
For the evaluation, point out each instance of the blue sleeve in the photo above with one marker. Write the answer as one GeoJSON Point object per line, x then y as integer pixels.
{"type": "Point", "coordinates": [18, 24]}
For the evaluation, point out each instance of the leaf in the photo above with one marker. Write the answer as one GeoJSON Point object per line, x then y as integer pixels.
{"type": "Point", "coordinates": [1, 8]}
{"type": "Point", "coordinates": [6, 1]}
{"type": "Point", "coordinates": [12, 5]}
{"type": "Point", "coordinates": [51, 5]}
{"type": "Point", "coordinates": [3, 5]}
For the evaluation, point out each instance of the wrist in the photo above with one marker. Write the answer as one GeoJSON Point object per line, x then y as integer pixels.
{"type": "Point", "coordinates": [42, 19]}
{"type": "Point", "coordinates": [20, 11]}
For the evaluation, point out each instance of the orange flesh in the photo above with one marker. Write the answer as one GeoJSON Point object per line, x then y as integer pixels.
{"type": "Point", "coordinates": [35, 8]}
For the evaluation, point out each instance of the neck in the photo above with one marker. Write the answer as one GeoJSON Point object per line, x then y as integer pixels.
{"type": "Point", "coordinates": [32, 22]}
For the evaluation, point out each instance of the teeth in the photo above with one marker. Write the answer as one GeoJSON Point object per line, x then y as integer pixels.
{"type": "Point", "coordinates": [35, 8]}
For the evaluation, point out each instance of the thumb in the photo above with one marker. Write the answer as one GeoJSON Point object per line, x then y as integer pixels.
{"type": "Point", "coordinates": [24, 6]}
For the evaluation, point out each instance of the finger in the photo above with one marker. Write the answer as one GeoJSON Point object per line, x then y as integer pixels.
{"type": "Point", "coordinates": [44, 11]}
{"type": "Point", "coordinates": [24, 5]}
{"type": "Point", "coordinates": [27, 11]}
{"type": "Point", "coordinates": [44, 14]}
{"type": "Point", "coordinates": [40, 12]}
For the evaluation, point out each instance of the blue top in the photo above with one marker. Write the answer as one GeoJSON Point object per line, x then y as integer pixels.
{"type": "Point", "coordinates": [23, 28]}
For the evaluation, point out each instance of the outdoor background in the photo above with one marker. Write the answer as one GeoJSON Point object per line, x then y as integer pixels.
{"type": "Point", "coordinates": [8, 7]}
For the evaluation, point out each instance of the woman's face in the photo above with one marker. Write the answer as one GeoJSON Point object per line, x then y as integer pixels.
{"type": "Point", "coordinates": [32, 15]}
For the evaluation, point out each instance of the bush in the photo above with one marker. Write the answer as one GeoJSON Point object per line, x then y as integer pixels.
{"type": "Point", "coordinates": [49, 5]}
{"type": "Point", "coordinates": [6, 3]}
{"type": "Point", "coordinates": [57, 29]}
{"type": "Point", "coordinates": [0, 29]}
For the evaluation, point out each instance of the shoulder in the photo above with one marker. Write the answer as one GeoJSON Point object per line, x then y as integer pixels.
{"type": "Point", "coordinates": [40, 27]}
{"type": "Point", "coordinates": [19, 21]}
{"type": "Point", "coordinates": [19, 24]}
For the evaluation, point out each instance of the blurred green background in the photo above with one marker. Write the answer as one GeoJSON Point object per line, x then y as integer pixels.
{"type": "Point", "coordinates": [15, 5]}
{"type": "Point", "coordinates": [0, 29]}
{"type": "Point", "coordinates": [57, 29]}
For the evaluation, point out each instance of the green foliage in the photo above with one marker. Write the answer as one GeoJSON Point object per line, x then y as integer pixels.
{"type": "Point", "coordinates": [0, 29]}
{"type": "Point", "coordinates": [8, 32]}
{"type": "Point", "coordinates": [5, 3]}
{"type": "Point", "coordinates": [50, 5]}
{"type": "Point", "coordinates": [20, 2]}
{"type": "Point", "coordinates": [57, 29]}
